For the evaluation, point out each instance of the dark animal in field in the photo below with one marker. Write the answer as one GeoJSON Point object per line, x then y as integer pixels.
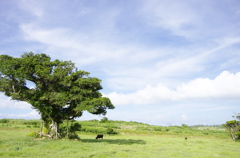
{"type": "Point", "coordinates": [99, 136]}
{"type": "Point", "coordinates": [185, 138]}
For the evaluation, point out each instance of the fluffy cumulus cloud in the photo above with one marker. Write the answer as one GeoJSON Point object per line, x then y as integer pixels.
{"type": "Point", "coordinates": [224, 86]}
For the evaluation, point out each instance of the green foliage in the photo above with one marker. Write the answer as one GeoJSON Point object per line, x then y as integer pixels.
{"type": "Point", "coordinates": [75, 127]}
{"type": "Point", "coordinates": [157, 129]}
{"type": "Point", "coordinates": [46, 130]}
{"type": "Point", "coordinates": [121, 127]}
{"type": "Point", "coordinates": [184, 126]}
{"type": "Point", "coordinates": [34, 135]}
{"type": "Point", "coordinates": [73, 136]}
{"type": "Point", "coordinates": [60, 92]}
{"type": "Point", "coordinates": [4, 120]}
{"type": "Point", "coordinates": [69, 131]}
{"type": "Point", "coordinates": [95, 130]}
{"type": "Point", "coordinates": [111, 131]}
{"type": "Point", "coordinates": [237, 134]}
{"type": "Point", "coordinates": [104, 120]}
{"type": "Point", "coordinates": [233, 127]}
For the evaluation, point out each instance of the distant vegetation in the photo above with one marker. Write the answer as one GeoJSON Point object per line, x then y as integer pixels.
{"type": "Point", "coordinates": [110, 127]}
{"type": "Point", "coordinates": [20, 138]}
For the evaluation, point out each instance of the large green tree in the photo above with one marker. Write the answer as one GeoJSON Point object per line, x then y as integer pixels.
{"type": "Point", "coordinates": [56, 89]}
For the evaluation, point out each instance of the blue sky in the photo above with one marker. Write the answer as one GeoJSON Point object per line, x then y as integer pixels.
{"type": "Point", "coordinates": [162, 62]}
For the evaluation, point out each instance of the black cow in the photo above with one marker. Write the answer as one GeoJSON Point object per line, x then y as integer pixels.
{"type": "Point", "coordinates": [185, 138]}
{"type": "Point", "coordinates": [99, 136]}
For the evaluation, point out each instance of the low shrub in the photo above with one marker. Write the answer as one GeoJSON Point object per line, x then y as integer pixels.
{"type": "Point", "coordinates": [104, 120]}
{"type": "Point", "coordinates": [205, 133]}
{"type": "Point", "coordinates": [4, 120]}
{"type": "Point", "coordinates": [73, 136]}
{"type": "Point", "coordinates": [34, 135]}
{"type": "Point", "coordinates": [157, 129]}
{"type": "Point", "coordinates": [75, 127]}
{"type": "Point", "coordinates": [111, 131]}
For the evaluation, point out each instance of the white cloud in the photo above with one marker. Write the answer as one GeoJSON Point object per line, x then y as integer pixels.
{"type": "Point", "coordinates": [80, 47]}
{"type": "Point", "coordinates": [7, 103]}
{"type": "Point", "coordinates": [31, 115]}
{"type": "Point", "coordinates": [224, 86]}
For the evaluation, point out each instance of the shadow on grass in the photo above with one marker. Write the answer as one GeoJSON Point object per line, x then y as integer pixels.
{"type": "Point", "coordinates": [115, 141]}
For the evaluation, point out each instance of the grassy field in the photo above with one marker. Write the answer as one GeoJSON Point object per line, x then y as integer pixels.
{"type": "Point", "coordinates": [130, 142]}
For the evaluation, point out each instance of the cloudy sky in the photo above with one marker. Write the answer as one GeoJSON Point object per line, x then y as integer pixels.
{"type": "Point", "coordinates": [162, 62]}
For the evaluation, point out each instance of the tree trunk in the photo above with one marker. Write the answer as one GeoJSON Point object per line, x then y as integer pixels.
{"type": "Point", "coordinates": [233, 135]}
{"type": "Point", "coordinates": [41, 128]}
{"type": "Point", "coordinates": [67, 128]}
{"type": "Point", "coordinates": [54, 130]}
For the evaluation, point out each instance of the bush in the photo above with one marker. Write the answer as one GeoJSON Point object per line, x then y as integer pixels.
{"type": "Point", "coordinates": [111, 131]}
{"type": "Point", "coordinates": [34, 135]}
{"type": "Point", "coordinates": [73, 136]}
{"type": "Point", "coordinates": [237, 134]}
{"type": "Point", "coordinates": [157, 129]}
{"type": "Point", "coordinates": [104, 120]}
{"type": "Point", "coordinates": [75, 127]}
{"type": "Point", "coordinates": [45, 130]}
{"type": "Point", "coordinates": [184, 126]}
{"type": "Point", "coordinates": [4, 120]}
{"type": "Point", "coordinates": [206, 133]}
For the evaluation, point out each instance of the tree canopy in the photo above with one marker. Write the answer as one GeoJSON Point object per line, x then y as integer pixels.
{"type": "Point", "coordinates": [56, 89]}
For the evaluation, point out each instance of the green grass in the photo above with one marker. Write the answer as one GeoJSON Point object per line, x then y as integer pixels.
{"type": "Point", "coordinates": [14, 142]}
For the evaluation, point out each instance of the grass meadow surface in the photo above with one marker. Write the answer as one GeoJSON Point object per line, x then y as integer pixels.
{"type": "Point", "coordinates": [14, 142]}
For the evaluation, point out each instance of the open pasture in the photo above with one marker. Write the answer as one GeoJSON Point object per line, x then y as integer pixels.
{"type": "Point", "coordinates": [14, 142]}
